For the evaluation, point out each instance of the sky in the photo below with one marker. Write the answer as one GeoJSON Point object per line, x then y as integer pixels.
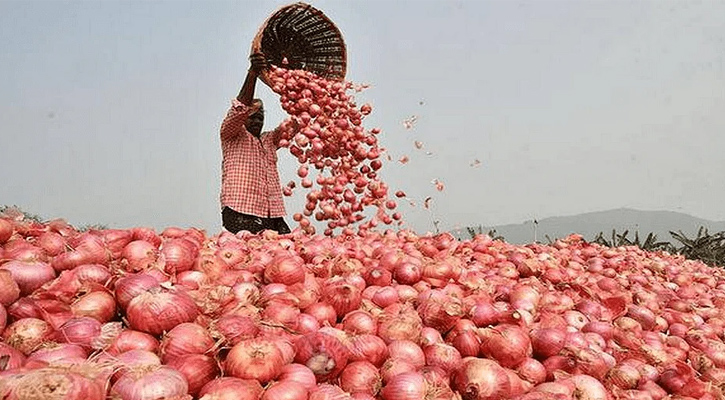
{"type": "Point", "coordinates": [110, 110]}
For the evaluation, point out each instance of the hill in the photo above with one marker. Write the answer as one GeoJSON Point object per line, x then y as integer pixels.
{"type": "Point", "coordinates": [591, 224]}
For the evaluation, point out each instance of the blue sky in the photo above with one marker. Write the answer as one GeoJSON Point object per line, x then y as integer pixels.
{"type": "Point", "coordinates": [110, 110]}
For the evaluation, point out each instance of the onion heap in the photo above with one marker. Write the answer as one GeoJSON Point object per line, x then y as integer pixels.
{"type": "Point", "coordinates": [382, 315]}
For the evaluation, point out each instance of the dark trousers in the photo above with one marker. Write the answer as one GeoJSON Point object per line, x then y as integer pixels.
{"type": "Point", "coordinates": [235, 221]}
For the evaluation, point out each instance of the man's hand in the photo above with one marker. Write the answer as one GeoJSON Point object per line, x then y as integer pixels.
{"type": "Point", "coordinates": [258, 62]}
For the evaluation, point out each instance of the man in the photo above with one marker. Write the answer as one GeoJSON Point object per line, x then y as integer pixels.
{"type": "Point", "coordinates": [251, 193]}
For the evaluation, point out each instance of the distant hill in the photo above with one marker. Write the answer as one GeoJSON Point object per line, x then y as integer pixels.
{"type": "Point", "coordinates": [590, 224]}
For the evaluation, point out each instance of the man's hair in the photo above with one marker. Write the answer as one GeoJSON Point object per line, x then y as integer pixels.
{"type": "Point", "coordinates": [258, 101]}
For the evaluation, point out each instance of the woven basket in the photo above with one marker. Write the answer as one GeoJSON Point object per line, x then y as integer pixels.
{"type": "Point", "coordinates": [306, 38]}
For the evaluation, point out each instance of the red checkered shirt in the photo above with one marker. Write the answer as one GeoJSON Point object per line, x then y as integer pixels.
{"type": "Point", "coordinates": [250, 181]}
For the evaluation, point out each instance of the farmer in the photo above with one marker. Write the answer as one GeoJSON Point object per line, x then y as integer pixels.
{"type": "Point", "coordinates": [251, 193]}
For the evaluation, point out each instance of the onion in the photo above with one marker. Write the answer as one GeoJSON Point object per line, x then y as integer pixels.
{"type": "Point", "coordinates": [185, 338]}
{"type": "Point", "coordinates": [368, 348]}
{"type": "Point", "coordinates": [359, 322]}
{"type": "Point", "coordinates": [132, 340]}
{"type": "Point", "coordinates": [361, 377]}
{"type": "Point", "coordinates": [298, 374]}
{"type": "Point", "coordinates": [394, 367]}
{"type": "Point", "coordinates": [285, 390]}
{"type": "Point", "coordinates": [52, 243]}
{"type": "Point", "coordinates": [547, 342]}
{"type": "Point", "coordinates": [54, 384]}
{"type": "Point", "coordinates": [399, 322]}
{"type": "Point", "coordinates": [54, 353]}
{"type": "Point", "coordinates": [29, 275]}
{"type": "Point", "coordinates": [589, 388]}
{"type": "Point", "coordinates": [157, 383]}
{"type": "Point", "coordinates": [258, 359]}
{"type": "Point", "coordinates": [531, 370]}
{"type": "Point", "coordinates": [323, 313]}
{"type": "Point", "coordinates": [95, 273]}
{"type": "Point", "coordinates": [234, 328]}
{"type": "Point", "coordinates": [179, 255]}
{"type": "Point", "coordinates": [198, 369]}
{"type": "Point", "coordinates": [286, 270]}
{"type": "Point", "coordinates": [156, 311]}
{"type": "Point", "coordinates": [328, 392]}
{"type": "Point", "coordinates": [6, 230]}
{"type": "Point", "coordinates": [230, 388]}
{"type": "Point", "coordinates": [324, 354]}
{"type": "Point", "coordinates": [405, 386]}
{"type": "Point", "coordinates": [131, 286]}
{"type": "Point", "coordinates": [507, 344]}
{"type": "Point", "coordinates": [27, 334]}
{"type": "Point", "coordinates": [83, 331]}
{"type": "Point", "coordinates": [624, 376]}
{"type": "Point", "coordinates": [442, 355]}
{"type": "Point", "coordinates": [439, 310]}
{"type": "Point", "coordinates": [481, 379]}
{"type": "Point", "coordinates": [99, 305]}
{"type": "Point", "coordinates": [341, 295]}
{"type": "Point", "coordinates": [140, 255]}
{"type": "Point", "coordinates": [137, 360]}
{"type": "Point", "coordinates": [9, 290]}
{"type": "Point", "coordinates": [407, 351]}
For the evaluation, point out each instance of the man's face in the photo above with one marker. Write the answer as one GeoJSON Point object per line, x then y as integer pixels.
{"type": "Point", "coordinates": [255, 122]}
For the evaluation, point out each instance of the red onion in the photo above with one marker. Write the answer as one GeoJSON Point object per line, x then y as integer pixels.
{"type": "Point", "coordinates": [442, 355]}
{"type": "Point", "coordinates": [234, 328]}
{"type": "Point", "coordinates": [407, 351]}
{"type": "Point", "coordinates": [185, 338]}
{"type": "Point", "coordinates": [439, 310]}
{"type": "Point", "coordinates": [328, 392]}
{"type": "Point", "coordinates": [6, 230]}
{"type": "Point", "coordinates": [368, 348]}
{"type": "Point", "coordinates": [394, 367]}
{"type": "Point", "coordinates": [547, 342]}
{"type": "Point", "coordinates": [29, 275]}
{"type": "Point", "coordinates": [385, 296]}
{"type": "Point", "coordinates": [405, 386]}
{"type": "Point", "coordinates": [156, 383]}
{"type": "Point", "coordinates": [298, 374]}
{"type": "Point", "coordinates": [378, 277]}
{"type": "Point", "coordinates": [82, 331]}
{"type": "Point", "coordinates": [52, 243]}
{"type": "Point", "coordinates": [323, 312]}
{"type": "Point", "coordinates": [230, 388]}
{"type": "Point", "coordinates": [131, 286]}
{"type": "Point", "coordinates": [359, 322]}
{"type": "Point", "coordinates": [140, 255]}
{"type": "Point", "coordinates": [179, 255]}
{"type": "Point", "coordinates": [198, 369]}
{"type": "Point", "coordinates": [481, 379]}
{"type": "Point", "coordinates": [285, 390]}
{"type": "Point", "coordinates": [135, 360]}
{"type": "Point", "coordinates": [286, 270]}
{"type": "Point", "coordinates": [507, 344]}
{"type": "Point", "coordinates": [27, 334]}
{"type": "Point", "coordinates": [99, 305]}
{"type": "Point", "coordinates": [589, 388]}
{"type": "Point", "coordinates": [156, 311]}
{"type": "Point", "coordinates": [341, 295]}
{"type": "Point", "coordinates": [54, 353]}
{"type": "Point", "coordinates": [9, 290]}
{"type": "Point", "coordinates": [361, 377]}
{"type": "Point", "coordinates": [399, 322]}
{"type": "Point", "coordinates": [258, 359]}
{"type": "Point", "coordinates": [531, 370]}
{"type": "Point", "coordinates": [324, 354]}
{"type": "Point", "coordinates": [92, 273]}
{"type": "Point", "coordinates": [132, 340]}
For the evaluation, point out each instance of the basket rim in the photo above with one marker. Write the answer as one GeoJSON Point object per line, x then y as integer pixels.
{"type": "Point", "coordinates": [257, 41]}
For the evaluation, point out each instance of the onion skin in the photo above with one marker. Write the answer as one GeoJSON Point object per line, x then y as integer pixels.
{"type": "Point", "coordinates": [51, 384]}
{"type": "Point", "coordinates": [183, 339]}
{"type": "Point", "coordinates": [406, 386]}
{"type": "Point", "coordinates": [198, 369]}
{"type": "Point", "coordinates": [361, 377]}
{"type": "Point", "coordinates": [132, 340]}
{"type": "Point", "coordinates": [29, 275]}
{"type": "Point", "coordinates": [27, 334]}
{"type": "Point", "coordinates": [285, 390]}
{"type": "Point", "coordinates": [324, 354]}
